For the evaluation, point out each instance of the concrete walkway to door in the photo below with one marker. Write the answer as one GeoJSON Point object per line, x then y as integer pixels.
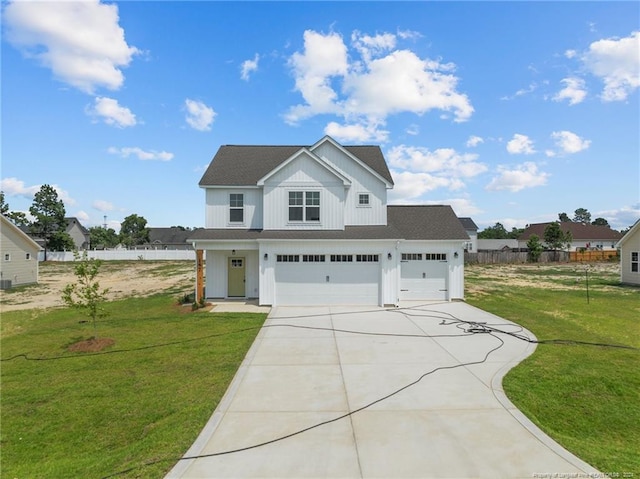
{"type": "Point", "coordinates": [424, 395]}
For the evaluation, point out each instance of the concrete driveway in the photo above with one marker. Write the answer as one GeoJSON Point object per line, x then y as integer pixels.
{"type": "Point", "coordinates": [425, 401]}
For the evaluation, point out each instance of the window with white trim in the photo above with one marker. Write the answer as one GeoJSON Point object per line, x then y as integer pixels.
{"type": "Point", "coordinates": [341, 258]}
{"type": "Point", "coordinates": [411, 256]}
{"type": "Point", "coordinates": [435, 256]}
{"type": "Point", "coordinates": [236, 208]}
{"type": "Point", "coordinates": [363, 199]}
{"type": "Point", "coordinates": [634, 262]}
{"type": "Point", "coordinates": [27, 256]}
{"type": "Point", "coordinates": [7, 257]}
{"type": "Point", "coordinates": [367, 258]}
{"type": "Point", "coordinates": [304, 206]}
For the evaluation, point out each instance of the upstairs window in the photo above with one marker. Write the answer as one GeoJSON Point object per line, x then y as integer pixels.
{"type": "Point", "coordinates": [363, 199]}
{"type": "Point", "coordinates": [304, 206]}
{"type": "Point", "coordinates": [236, 208]}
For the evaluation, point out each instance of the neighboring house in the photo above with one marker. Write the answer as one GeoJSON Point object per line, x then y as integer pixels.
{"type": "Point", "coordinates": [293, 225]}
{"type": "Point", "coordinates": [168, 238]}
{"type": "Point", "coordinates": [585, 236]}
{"type": "Point", "coordinates": [79, 234]}
{"type": "Point", "coordinates": [497, 244]}
{"type": "Point", "coordinates": [630, 255]}
{"type": "Point", "coordinates": [18, 256]}
{"type": "Point", "coordinates": [472, 230]}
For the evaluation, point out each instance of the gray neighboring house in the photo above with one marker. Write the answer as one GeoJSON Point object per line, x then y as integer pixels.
{"type": "Point", "coordinates": [472, 230]}
{"type": "Point", "coordinates": [18, 256]}
{"type": "Point", "coordinates": [497, 244]}
{"type": "Point", "coordinates": [79, 234]}
{"type": "Point", "coordinates": [630, 255]}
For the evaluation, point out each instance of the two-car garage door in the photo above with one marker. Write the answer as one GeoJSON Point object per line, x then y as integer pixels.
{"type": "Point", "coordinates": [327, 279]}
{"type": "Point", "coordinates": [424, 276]}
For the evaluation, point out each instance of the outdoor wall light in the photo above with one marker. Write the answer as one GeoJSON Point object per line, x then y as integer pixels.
{"type": "Point", "coordinates": [266, 256]}
{"type": "Point", "coordinates": [388, 255]}
{"type": "Point", "coordinates": [233, 252]}
{"type": "Point", "coordinates": [455, 255]}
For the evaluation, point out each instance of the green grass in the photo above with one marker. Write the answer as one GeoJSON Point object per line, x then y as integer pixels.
{"type": "Point", "coordinates": [585, 397]}
{"type": "Point", "coordinates": [146, 399]}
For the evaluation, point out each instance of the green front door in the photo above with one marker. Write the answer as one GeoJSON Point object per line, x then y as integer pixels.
{"type": "Point", "coordinates": [236, 277]}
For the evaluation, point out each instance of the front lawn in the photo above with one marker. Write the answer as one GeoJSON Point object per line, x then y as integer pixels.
{"type": "Point", "coordinates": [144, 399]}
{"type": "Point", "coordinates": [585, 397]}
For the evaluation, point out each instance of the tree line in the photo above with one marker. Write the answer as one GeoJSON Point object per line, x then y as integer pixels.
{"type": "Point", "coordinates": [49, 224]}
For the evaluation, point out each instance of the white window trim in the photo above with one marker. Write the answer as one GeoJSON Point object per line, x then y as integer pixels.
{"type": "Point", "coordinates": [304, 207]}
{"type": "Point", "coordinates": [236, 223]}
{"type": "Point", "coordinates": [637, 262]}
{"type": "Point", "coordinates": [360, 205]}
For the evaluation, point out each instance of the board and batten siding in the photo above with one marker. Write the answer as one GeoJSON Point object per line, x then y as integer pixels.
{"type": "Point", "coordinates": [216, 271]}
{"type": "Point", "coordinates": [362, 181]}
{"type": "Point", "coordinates": [304, 174]}
{"type": "Point", "coordinates": [217, 208]}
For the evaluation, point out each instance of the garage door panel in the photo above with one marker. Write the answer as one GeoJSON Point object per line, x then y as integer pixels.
{"type": "Point", "coordinates": [327, 283]}
{"type": "Point", "coordinates": [423, 280]}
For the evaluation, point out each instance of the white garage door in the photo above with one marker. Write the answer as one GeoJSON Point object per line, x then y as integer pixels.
{"type": "Point", "coordinates": [327, 279]}
{"type": "Point", "coordinates": [424, 276]}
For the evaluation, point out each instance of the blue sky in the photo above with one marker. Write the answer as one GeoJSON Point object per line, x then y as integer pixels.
{"type": "Point", "coordinates": [507, 111]}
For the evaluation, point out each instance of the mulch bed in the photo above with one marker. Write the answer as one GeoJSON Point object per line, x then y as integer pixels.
{"type": "Point", "coordinates": [92, 345]}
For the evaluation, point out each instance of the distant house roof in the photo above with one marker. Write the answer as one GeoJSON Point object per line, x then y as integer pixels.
{"type": "Point", "coordinates": [235, 165]}
{"type": "Point", "coordinates": [72, 220]}
{"type": "Point", "coordinates": [579, 231]}
{"type": "Point", "coordinates": [167, 236]}
{"type": "Point", "coordinates": [433, 222]}
{"type": "Point", "coordinates": [497, 244]}
{"type": "Point", "coordinates": [468, 224]}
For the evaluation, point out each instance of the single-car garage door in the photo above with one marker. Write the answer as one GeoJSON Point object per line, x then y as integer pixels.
{"type": "Point", "coordinates": [424, 276]}
{"type": "Point", "coordinates": [314, 279]}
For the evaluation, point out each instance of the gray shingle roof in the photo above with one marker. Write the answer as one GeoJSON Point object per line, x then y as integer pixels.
{"type": "Point", "coordinates": [468, 223]}
{"type": "Point", "coordinates": [405, 222]}
{"type": "Point", "coordinates": [236, 165]}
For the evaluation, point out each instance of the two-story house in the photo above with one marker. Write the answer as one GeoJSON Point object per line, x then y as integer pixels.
{"type": "Point", "coordinates": [296, 225]}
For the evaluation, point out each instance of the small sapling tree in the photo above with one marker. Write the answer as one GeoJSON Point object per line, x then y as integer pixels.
{"type": "Point", "coordinates": [85, 294]}
{"type": "Point", "coordinates": [535, 248]}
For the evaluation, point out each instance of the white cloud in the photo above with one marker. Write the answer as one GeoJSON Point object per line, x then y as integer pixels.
{"type": "Point", "coordinates": [461, 206]}
{"type": "Point", "coordinates": [372, 81]}
{"type": "Point", "coordinates": [474, 141]}
{"type": "Point", "coordinates": [409, 186]}
{"type": "Point", "coordinates": [569, 142]}
{"type": "Point", "coordinates": [143, 155]}
{"type": "Point", "coordinates": [520, 144]}
{"type": "Point", "coordinates": [82, 216]}
{"type": "Point", "coordinates": [358, 132]}
{"type": "Point", "coordinates": [413, 130]}
{"type": "Point", "coordinates": [199, 116]}
{"type": "Point", "coordinates": [620, 218]}
{"type": "Point", "coordinates": [570, 53]}
{"type": "Point", "coordinates": [574, 90]}
{"type": "Point", "coordinates": [15, 187]}
{"type": "Point", "coordinates": [81, 42]}
{"type": "Point", "coordinates": [248, 67]}
{"type": "Point", "coordinates": [102, 205]}
{"type": "Point", "coordinates": [617, 63]}
{"type": "Point", "coordinates": [522, 176]}
{"type": "Point", "coordinates": [112, 113]}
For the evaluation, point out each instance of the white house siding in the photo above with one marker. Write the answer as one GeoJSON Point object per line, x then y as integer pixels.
{"type": "Point", "coordinates": [629, 244]}
{"type": "Point", "coordinates": [14, 248]}
{"type": "Point", "coordinates": [304, 174]}
{"type": "Point", "coordinates": [217, 208]}
{"type": "Point", "coordinates": [363, 181]}
{"type": "Point", "coordinates": [216, 271]}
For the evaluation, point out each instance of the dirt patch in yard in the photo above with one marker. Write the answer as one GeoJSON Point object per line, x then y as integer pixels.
{"type": "Point", "coordinates": [92, 345]}
{"type": "Point", "coordinates": [123, 278]}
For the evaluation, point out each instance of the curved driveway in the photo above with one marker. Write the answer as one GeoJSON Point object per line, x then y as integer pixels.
{"type": "Point", "coordinates": [426, 392]}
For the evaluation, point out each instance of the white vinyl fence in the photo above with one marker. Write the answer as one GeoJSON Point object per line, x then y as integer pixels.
{"type": "Point", "coordinates": [123, 254]}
